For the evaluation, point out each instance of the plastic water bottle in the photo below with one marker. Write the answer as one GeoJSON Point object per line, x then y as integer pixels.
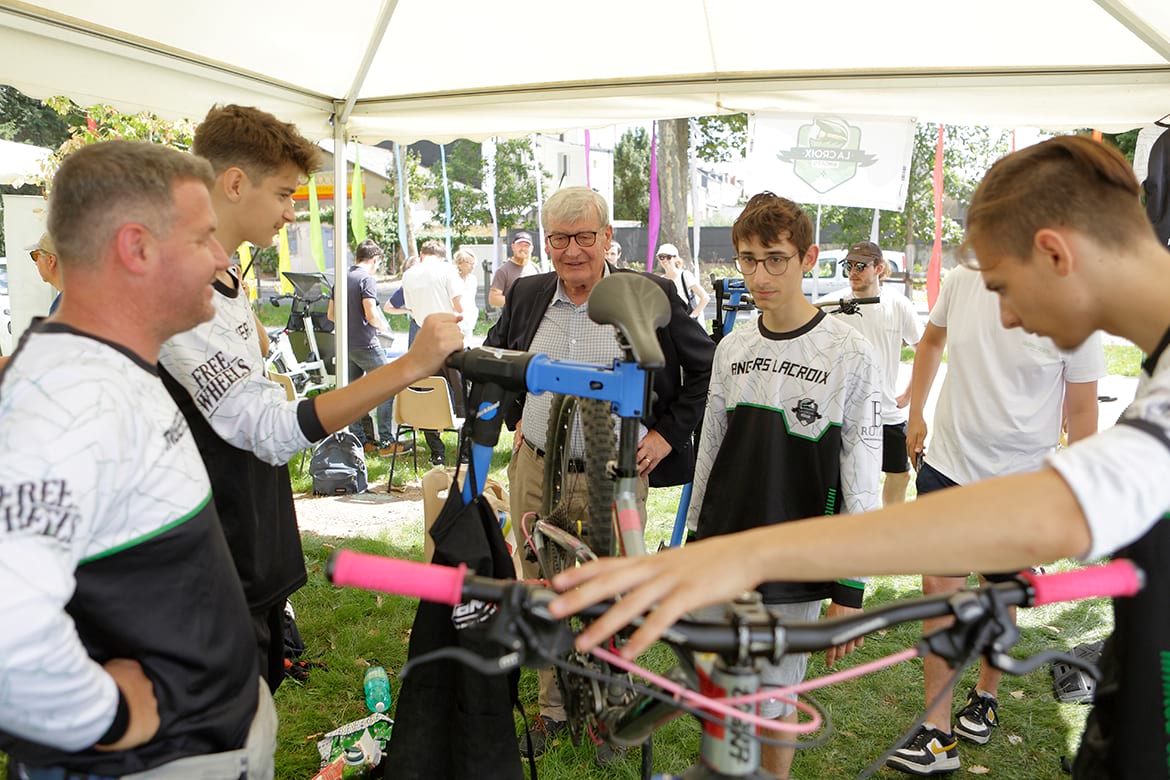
{"type": "Point", "coordinates": [377, 687]}
{"type": "Point", "coordinates": [355, 767]}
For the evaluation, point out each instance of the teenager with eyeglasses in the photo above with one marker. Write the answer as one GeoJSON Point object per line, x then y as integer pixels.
{"type": "Point", "coordinates": [794, 399]}
{"type": "Point", "coordinates": [1059, 234]}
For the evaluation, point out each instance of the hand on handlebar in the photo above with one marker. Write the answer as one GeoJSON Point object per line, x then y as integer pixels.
{"type": "Point", "coordinates": [677, 581]}
{"type": "Point", "coordinates": [834, 654]}
{"type": "Point", "coordinates": [438, 337]}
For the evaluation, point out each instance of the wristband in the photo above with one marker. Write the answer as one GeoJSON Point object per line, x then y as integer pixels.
{"type": "Point", "coordinates": [121, 723]}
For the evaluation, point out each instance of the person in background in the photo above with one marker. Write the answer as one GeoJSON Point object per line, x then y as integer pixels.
{"type": "Point", "coordinates": [685, 283]}
{"type": "Point", "coordinates": [465, 265]}
{"type": "Point", "coordinates": [44, 254]}
{"type": "Point", "coordinates": [365, 349]}
{"type": "Point", "coordinates": [613, 255]}
{"type": "Point", "coordinates": [886, 325]}
{"type": "Point", "coordinates": [518, 265]}
{"type": "Point", "coordinates": [433, 286]}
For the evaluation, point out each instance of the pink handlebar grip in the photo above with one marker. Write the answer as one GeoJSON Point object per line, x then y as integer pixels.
{"type": "Point", "coordinates": [426, 581]}
{"type": "Point", "coordinates": [1119, 578]}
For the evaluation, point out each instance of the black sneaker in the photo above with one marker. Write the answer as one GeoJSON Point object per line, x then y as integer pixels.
{"type": "Point", "coordinates": [608, 754]}
{"type": "Point", "coordinates": [544, 730]}
{"type": "Point", "coordinates": [929, 752]}
{"type": "Point", "coordinates": [976, 720]}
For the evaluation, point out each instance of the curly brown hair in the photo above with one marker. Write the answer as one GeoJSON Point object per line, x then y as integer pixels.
{"type": "Point", "coordinates": [253, 140]}
{"type": "Point", "coordinates": [769, 218]}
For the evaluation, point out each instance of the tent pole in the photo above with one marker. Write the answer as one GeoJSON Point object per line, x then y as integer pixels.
{"type": "Point", "coordinates": [340, 252]}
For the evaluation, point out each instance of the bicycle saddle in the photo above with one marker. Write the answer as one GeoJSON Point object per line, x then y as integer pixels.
{"type": "Point", "coordinates": [637, 307]}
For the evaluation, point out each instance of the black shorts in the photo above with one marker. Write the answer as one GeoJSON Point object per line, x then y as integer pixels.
{"type": "Point", "coordinates": [931, 479]}
{"type": "Point", "coordinates": [894, 457]}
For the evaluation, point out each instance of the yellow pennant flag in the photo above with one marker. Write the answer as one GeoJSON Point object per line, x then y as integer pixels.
{"type": "Point", "coordinates": [316, 242]}
{"type": "Point", "coordinates": [248, 269]}
{"type": "Point", "coordinates": [284, 260]}
{"type": "Point", "coordinates": [358, 204]}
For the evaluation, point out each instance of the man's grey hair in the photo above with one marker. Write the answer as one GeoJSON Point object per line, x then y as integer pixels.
{"type": "Point", "coordinates": [103, 186]}
{"type": "Point", "coordinates": [573, 204]}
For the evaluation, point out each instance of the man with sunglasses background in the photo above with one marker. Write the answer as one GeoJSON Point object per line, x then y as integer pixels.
{"type": "Point", "coordinates": [548, 313]}
{"type": "Point", "coordinates": [887, 326]}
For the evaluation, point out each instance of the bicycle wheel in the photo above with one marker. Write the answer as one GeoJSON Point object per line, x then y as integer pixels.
{"type": "Point", "coordinates": [590, 521]}
{"type": "Point", "coordinates": [593, 523]}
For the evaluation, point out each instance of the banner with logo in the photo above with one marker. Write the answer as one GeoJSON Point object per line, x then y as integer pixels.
{"type": "Point", "coordinates": [831, 159]}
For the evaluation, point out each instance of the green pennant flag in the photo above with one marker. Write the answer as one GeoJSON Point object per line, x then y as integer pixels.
{"type": "Point", "coordinates": [316, 243]}
{"type": "Point", "coordinates": [358, 219]}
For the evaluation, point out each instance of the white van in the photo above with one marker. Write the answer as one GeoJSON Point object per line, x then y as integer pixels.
{"type": "Point", "coordinates": [829, 275]}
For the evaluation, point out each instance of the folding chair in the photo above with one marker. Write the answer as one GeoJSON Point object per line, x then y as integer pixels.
{"type": "Point", "coordinates": [423, 406]}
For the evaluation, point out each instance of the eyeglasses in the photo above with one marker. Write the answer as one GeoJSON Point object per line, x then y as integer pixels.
{"type": "Point", "coordinates": [774, 264]}
{"type": "Point", "coordinates": [584, 239]}
{"type": "Point", "coordinates": [857, 266]}
{"type": "Point", "coordinates": [666, 257]}
{"type": "Point", "coordinates": [36, 255]}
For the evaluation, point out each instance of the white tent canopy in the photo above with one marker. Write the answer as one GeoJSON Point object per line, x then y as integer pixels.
{"type": "Point", "coordinates": [20, 162]}
{"type": "Point", "coordinates": [442, 69]}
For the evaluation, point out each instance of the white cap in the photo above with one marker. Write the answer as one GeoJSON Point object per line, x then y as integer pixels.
{"type": "Point", "coordinates": [668, 249]}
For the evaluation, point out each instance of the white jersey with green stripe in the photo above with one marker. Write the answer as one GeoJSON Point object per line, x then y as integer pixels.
{"type": "Point", "coordinates": [793, 429]}
{"type": "Point", "coordinates": [110, 547]}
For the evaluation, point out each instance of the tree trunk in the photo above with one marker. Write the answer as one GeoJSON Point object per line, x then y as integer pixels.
{"type": "Point", "coordinates": [674, 183]}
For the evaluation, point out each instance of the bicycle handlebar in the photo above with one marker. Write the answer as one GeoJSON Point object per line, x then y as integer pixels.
{"type": "Point", "coordinates": [759, 637]}
{"type": "Point", "coordinates": [847, 302]}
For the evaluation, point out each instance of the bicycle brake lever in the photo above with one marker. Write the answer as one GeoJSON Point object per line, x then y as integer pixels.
{"type": "Point", "coordinates": [485, 666]}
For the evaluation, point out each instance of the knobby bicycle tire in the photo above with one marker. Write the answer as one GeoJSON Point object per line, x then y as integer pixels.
{"type": "Point", "coordinates": [596, 522]}
{"type": "Point", "coordinates": [593, 523]}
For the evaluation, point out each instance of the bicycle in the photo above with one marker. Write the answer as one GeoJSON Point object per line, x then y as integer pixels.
{"type": "Point", "coordinates": [308, 370]}
{"type": "Point", "coordinates": [746, 633]}
{"type": "Point", "coordinates": [613, 519]}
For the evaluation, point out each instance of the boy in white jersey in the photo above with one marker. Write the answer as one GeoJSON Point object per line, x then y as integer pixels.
{"type": "Point", "coordinates": [1061, 236]}
{"type": "Point", "coordinates": [245, 427]}
{"type": "Point", "coordinates": [793, 426]}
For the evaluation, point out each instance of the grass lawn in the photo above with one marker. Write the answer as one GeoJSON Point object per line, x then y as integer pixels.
{"type": "Point", "coordinates": [348, 629]}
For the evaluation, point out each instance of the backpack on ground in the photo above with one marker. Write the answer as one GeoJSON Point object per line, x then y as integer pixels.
{"type": "Point", "coordinates": [338, 465]}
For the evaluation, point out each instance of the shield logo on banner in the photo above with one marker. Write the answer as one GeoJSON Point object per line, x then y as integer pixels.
{"type": "Point", "coordinates": [827, 153]}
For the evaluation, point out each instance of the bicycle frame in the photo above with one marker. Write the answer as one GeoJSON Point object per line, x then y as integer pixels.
{"type": "Point", "coordinates": [498, 375]}
{"type": "Point", "coordinates": [311, 374]}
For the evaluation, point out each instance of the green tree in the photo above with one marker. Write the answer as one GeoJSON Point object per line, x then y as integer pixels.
{"type": "Point", "coordinates": [29, 121]}
{"type": "Point", "coordinates": [718, 139]}
{"type": "Point", "coordinates": [631, 166]}
{"type": "Point", "coordinates": [417, 181]}
{"type": "Point", "coordinates": [515, 183]}
{"type": "Point", "coordinates": [465, 170]}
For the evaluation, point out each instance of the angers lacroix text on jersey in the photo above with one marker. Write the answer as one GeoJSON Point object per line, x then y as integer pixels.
{"type": "Point", "coordinates": [793, 429]}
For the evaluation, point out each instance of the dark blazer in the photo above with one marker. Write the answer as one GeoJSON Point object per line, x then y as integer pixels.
{"type": "Point", "coordinates": [680, 390]}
